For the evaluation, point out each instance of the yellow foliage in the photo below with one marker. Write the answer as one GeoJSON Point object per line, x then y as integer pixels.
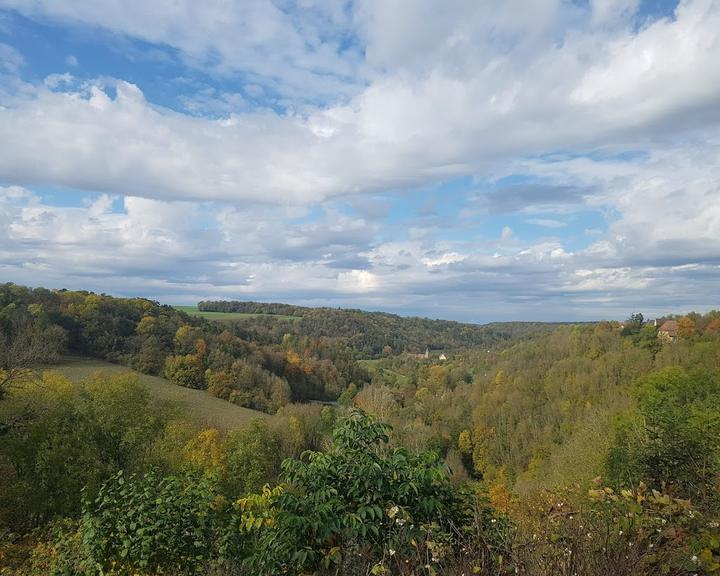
{"type": "Point", "coordinates": [465, 445]}
{"type": "Point", "coordinates": [296, 436]}
{"type": "Point", "coordinates": [481, 436]}
{"type": "Point", "coordinates": [500, 495]}
{"type": "Point", "coordinates": [206, 451]}
{"type": "Point", "coordinates": [146, 325]}
{"type": "Point", "coordinates": [255, 509]}
{"type": "Point", "coordinates": [437, 377]}
{"type": "Point", "coordinates": [685, 327]}
{"type": "Point", "coordinates": [35, 309]}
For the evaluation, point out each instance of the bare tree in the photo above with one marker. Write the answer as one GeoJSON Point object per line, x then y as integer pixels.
{"type": "Point", "coordinates": [24, 348]}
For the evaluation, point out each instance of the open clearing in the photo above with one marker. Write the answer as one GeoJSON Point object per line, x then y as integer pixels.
{"type": "Point", "coordinates": [372, 367]}
{"type": "Point", "coordinates": [204, 408]}
{"type": "Point", "coordinates": [193, 311]}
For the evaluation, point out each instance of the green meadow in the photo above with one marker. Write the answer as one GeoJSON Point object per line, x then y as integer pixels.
{"type": "Point", "coordinates": [199, 405]}
{"type": "Point", "coordinates": [193, 311]}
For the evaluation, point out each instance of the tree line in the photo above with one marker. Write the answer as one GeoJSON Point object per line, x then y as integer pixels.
{"type": "Point", "coordinates": [370, 334]}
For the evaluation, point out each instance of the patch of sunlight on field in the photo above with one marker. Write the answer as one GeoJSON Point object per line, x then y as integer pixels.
{"type": "Point", "coordinates": [204, 408]}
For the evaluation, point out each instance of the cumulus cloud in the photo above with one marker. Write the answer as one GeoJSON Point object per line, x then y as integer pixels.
{"type": "Point", "coordinates": [476, 105]}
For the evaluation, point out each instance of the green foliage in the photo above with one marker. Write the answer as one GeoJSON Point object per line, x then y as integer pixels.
{"type": "Point", "coordinates": [370, 334]}
{"type": "Point", "coordinates": [185, 370]}
{"type": "Point", "coordinates": [248, 385]}
{"type": "Point", "coordinates": [155, 523]}
{"type": "Point", "coordinates": [553, 407]}
{"type": "Point", "coordinates": [633, 324]}
{"type": "Point", "coordinates": [38, 325]}
{"type": "Point", "coordinates": [347, 396]}
{"type": "Point", "coordinates": [63, 553]}
{"type": "Point", "coordinates": [358, 493]}
{"type": "Point", "coordinates": [73, 437]}
{"type": "Point", "coordinates": [253, 458]}
{"type": "Point", "coordinates": [675, 440]}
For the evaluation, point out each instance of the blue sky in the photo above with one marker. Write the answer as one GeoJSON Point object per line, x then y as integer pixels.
{"type": "Point", "coordinates": [550, 160]}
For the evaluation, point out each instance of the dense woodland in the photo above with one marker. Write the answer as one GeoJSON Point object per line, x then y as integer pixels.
{"type": "Point", "coordinates": [371, 334]}
{"type": "Point", "coordinates": [590, 449]}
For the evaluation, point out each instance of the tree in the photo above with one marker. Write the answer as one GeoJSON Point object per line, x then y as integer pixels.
{"type": "Point", "coordinates": [358, 491]}
{"type": "Point", "coordinates": [713, 327]}
{"type": "Point", "coordinates": [206, 452]}
{"type": "Point", "coordinates": [686, 327]}
{"type": "Point", "coordinates": [186, 370]}
{"type": "Point", "coordinates": [151, 357]}
{"type": "Point", "coordinates": [157, 524]}
{"type": "Point", "coordinates": [633, 324]}
{"type": "Point", "coordinates": [186, 338]}
{"type": "Point", "coordinates": [675, 443]}
{"type": "Point", "coordinates": [75, 437]}
{"type": "Point", "coordinates": [24, 346]}
{"type": "Point", "coordinates": [253, 458]}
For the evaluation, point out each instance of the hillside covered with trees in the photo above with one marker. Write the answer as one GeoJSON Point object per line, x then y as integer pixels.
{"type": "Point", "coordinates": [372, 334]}
{"type": "Point", "coordinates": [189, 351]}
{"type": "Point", "coordinates": [589, 449]}
{"type": "Point", "coordinates": [260, 362]}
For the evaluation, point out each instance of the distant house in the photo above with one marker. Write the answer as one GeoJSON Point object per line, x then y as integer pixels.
{"type": "Point", "coordinates": [424, 356]}
{"type": "Point", "coordinates": [668, 331]}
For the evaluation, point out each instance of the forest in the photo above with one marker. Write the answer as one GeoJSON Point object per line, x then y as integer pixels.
{"type": "Point", "coordinates": [371, 334]}
{"type": "Point", "coordinates": [570, 449]}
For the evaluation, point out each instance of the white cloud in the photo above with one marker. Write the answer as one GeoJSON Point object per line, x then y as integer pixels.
{"type": "Point", "coordinates": [293, 48]}
{"type": "Point", "coordinates": [547, 222]}
{"type": "Point", "coordinates": [613, 11]}
{"type": "Point", "coordinates": [358, 281]}
{"type": "Point", "coordinates": [474, 106]}
{"type": "Point", "coordinates": [10, 59]}
{"type": "Point", "coordinates": [443, 259]}
{"type": "Point", "coordinates": [186, 251]}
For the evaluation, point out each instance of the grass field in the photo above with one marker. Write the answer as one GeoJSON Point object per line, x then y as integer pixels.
{"type": "Point", "coordinates": [369, 365]}
{"type": "Point", "coordinates": [372, 367]}
{"type": "Point", "coordinates": [193, 311]}
{"type": "Point", "coordinates": [204, 408]}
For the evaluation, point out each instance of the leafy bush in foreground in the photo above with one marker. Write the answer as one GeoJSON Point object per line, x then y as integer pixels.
{"type": "Point", "coordinates": [157, 524]}
{"type": "Point", "coordinates": [359, 502]}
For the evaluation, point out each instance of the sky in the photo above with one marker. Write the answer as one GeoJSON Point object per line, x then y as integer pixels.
{"type": "Point", "coordinates": [463, 159]}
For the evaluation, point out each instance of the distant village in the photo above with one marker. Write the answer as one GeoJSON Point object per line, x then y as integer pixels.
{"type": "Point", "coordinates": [428, 354]}
{"type": "Point", "coordinates": [667, 329]}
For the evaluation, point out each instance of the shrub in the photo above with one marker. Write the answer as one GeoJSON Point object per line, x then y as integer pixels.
{"type": "Point", "coordinates": [638, 532]}
{"type": "Point", "coordinates": [152, 523]}
{"type": "Point", "coordinates": [359, 502]}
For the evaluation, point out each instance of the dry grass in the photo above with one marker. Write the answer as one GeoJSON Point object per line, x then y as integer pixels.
{"type": "Point", "coordinates": [204, 408]}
